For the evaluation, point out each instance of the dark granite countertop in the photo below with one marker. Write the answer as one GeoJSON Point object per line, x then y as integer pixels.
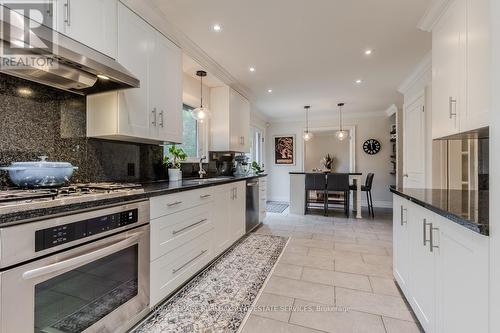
{"type": "Point", "coordinates": [59, 207]}
{"type": "Point", "coordinates": [325, 172]}
{"type": "Point", "coordinates": [467, 208]}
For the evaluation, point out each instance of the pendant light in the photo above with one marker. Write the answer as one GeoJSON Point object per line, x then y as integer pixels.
{"type": "Point", "coordinates": [201, 113]}
{"type": "Point", "coordinates": [307, 135]}
{"type": "Point", "coordinates": [341, 134]}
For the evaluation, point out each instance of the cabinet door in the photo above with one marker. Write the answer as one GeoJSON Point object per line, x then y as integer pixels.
{"type": "Point", "coordinates": [414, 144]}
{"type": "Point", "coordinates": [166, 90]}
{"type": "Point", "coordinates": [448, 70]}
{"type": "Point", "coordinates": [422, 270]}
{"type": "Point", "coordinates": [400, 241]}
{"type": "Point", "coordinates": [135, 42]}
{"type": "Point", "coordinates": [91, 22]}
{"type": "Point", "coordinates": [239, 122]}
{"type": "Point", "coordinates": [222, 217]}
{"type": "Point", "coordinates": [478, 65]}
{"type": "Point", "coordinates": [462, 279]}
{"type": "Point", "coordinates": [237, 210]}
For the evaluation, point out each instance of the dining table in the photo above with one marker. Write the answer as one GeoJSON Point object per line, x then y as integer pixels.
{"type": "Point", "coordinates": [297, 190]}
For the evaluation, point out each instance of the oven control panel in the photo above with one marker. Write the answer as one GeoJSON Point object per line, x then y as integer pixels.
{"type": "Point", "coordinates": [61, 234]}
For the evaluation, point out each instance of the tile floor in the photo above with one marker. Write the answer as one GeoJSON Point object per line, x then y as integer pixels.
{"type": "Point", "coordinates": [334, 276]}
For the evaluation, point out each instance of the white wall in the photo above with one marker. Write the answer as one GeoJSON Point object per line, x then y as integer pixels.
{"type": "Point", "coordinates": [376, 127]}
{"type": "Point", "coordinates": [326, 143]}
{"type": "Point", "coordinates": [191, 92]}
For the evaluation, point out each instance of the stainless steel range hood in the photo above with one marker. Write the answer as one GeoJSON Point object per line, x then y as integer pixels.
{"type": "Point", "coordinates": [62, 62]}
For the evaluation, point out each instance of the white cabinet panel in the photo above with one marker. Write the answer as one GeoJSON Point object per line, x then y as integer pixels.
{"type": "Point", "coordinates": [414, 144]}
{"type": "Point", "coordinates": [222, 218]}
{"type": "Point", "coordinates": [422, 270]}
{"type": "Point", "coordinates": [448, 70]}
{"type": "Point", "coordinates": [91, 22]}
{"type": "Point", "coordinates": [238, 210]}
{"type": "Point", "coordinates": [401, 252]}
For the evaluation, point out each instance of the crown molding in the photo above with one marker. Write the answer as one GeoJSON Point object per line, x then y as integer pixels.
{"type": "Point", "coordinates": [329, 117]}
{"type": "Point", "coordinates": [433, 14]}
{"type": "Point", "coordinates": [423, 71]}
{"type": "Point", "coordinates": [153, 15]}
{"type": "Point", "coordinates": [391, 110]}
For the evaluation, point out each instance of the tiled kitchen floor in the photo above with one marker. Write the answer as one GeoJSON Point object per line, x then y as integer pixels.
{"type": "Point", "coordinates": [344, 266]}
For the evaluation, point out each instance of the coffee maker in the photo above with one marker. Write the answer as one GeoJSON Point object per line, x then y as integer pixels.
{"type": "Point", "coordinates": [224, 162]}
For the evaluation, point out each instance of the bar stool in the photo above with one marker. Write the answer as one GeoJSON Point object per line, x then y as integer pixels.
{"type": "Point", "coordinates": [314, 182]}
{"type": "Point", "coordinates": [368, 189]}
{"type": "Point", "coordinates": [338, 182]}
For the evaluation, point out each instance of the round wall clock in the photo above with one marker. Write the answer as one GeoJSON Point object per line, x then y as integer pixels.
{"type": "Point", "coordinates": [372, 146]}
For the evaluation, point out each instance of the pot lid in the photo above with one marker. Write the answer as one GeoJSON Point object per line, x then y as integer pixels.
{"type": "Point", "coordinates": [43, 163]}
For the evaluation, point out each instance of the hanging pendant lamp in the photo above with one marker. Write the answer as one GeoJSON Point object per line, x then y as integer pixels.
{"type": "Point", "coordinates": [307, 135]}
{"type": "Point", "coordinates": [341, 134]}
{"type": "Point", "coordinates": [201, 113]}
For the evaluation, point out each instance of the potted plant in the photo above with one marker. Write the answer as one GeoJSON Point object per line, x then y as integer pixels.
{"type": "Point", "coordinates": [173, 163]}
{"type": "Point", "coordinates": [257, 168]}
{"type": "Point", "coordinates": [327, 162]}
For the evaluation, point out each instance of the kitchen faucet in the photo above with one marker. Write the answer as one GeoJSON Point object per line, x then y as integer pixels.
{"type": "Point", "coordinates": [202, 172]}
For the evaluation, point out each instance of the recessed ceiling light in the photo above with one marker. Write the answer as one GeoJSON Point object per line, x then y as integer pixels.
{"type": "Point", "coordinates": [358, 81]}
{"type": "Point", "coordinates": [252, 69]}
{"type": "Point", "coordinates": [269, 90]}
{"type": "Point", "coordinates": [217, 27]}
{"type": "Point", "coordinates": [368, 52]}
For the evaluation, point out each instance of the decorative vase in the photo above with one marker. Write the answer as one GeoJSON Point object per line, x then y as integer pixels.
{"type": "Point", "coordinates": [174, 175]}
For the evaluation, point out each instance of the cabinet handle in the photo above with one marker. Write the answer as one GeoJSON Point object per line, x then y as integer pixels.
{"type": "Point", "coordinates": [431, 242]}
{"type": "Point", "coordinates": [235, 193]}
{"type": "Point", "coordinates": [425, 224]}
{"type": "Point", "coordinates": [402, 215]}
{"type": "Point", "coordinates": [67, 13]}
{"type": "Point", "coordinates": [161, 118]}
{"type": "Point", "coordinates": [154, 117]}
{"type": "Point", "coordinates": [174, 204]}
{"type": "Point", "coordinates": [205, 196]}
{"type": "Point", "coordinates": [175, 270]}
{"type": "Point", "coordinates": [175, 232]}
{"type": "Point", "coordinates": [453, 102]}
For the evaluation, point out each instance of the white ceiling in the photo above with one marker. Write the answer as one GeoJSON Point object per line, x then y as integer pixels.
{"type": "Point", "coordinates": [309, 51]}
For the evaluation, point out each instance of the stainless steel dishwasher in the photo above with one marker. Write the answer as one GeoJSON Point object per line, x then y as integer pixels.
{"type": "Point", "coordinates": [252, 206]}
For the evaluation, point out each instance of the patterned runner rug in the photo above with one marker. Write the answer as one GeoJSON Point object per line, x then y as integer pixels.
{"type": "Point", "coordinates": [276, 207]}
{"type": "Point", "coordinates": [218, 299]}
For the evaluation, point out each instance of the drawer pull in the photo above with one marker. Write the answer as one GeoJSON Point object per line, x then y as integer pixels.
{"type": "Point", "coordinates": [431, 241]}
{"type": "Point", "coordinates": [174, 203]}
{"type": "Point", "coordinates": [175, 270]}
{"type": "Point", "coordinates": [205, 196]}
{"type": "Point", "coordinates": [175, 232]}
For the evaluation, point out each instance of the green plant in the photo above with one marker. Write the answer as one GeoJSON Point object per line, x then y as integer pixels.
{"type": "Point", "coordinates": [177, 156]}
{"type": "Point", "coordinates": [257, 168]}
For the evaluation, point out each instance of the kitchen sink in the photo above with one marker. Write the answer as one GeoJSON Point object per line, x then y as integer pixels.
{"type": "Point", "coordinates": [205, 180]}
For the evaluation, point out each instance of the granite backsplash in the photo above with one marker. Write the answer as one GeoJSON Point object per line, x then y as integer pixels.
{"type": "Point", "coordinates": [38, 120]}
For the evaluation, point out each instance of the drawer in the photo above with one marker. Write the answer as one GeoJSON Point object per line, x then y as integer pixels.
{"type": "Point", "coordinates": [176, 202]}
{"type": "Point", "coordinates": [171, 231]}
{"type": "Point", "coordinates": [173, 269]}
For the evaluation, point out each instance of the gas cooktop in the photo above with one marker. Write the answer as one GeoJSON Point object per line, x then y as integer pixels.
{"type": "Point", "coordinates": [20, 199]}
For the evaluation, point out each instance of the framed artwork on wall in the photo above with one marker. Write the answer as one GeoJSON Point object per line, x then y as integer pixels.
{"type": "Point", "coordinates": [284, 149]}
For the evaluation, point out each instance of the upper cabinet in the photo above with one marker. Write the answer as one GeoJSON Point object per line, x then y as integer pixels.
{"type": "Point", "coordinates": [91, 22]}
{"type": "Point", "coordinates": [151, 113]}
{"type": "Point", "coordinates": [230, 123]}
{"type": "Point", "coordinates": [461, 65]}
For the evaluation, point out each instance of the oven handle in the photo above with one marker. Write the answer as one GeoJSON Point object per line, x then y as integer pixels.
{"type": "Point", "coordinates": [81, 260]}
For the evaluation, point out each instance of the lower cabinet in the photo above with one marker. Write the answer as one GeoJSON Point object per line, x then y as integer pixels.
{"type": "Point", "coordinates": [442, 268]}
{"type": "Point", "coordinates": [188, 230]}
{"type": "Point", "coordinates": [262, 199]}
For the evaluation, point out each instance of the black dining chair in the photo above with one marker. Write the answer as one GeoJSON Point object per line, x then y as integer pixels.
{"type": "Point", "coordinates": [314, 182]}
{"type": "Point", "coordinates": [368, 189]}
{"type": "Point", "coordinates": [338, 182]}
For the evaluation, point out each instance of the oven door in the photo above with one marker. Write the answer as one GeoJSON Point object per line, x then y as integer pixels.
{"type": "Point", "coordinates": [102, 286]}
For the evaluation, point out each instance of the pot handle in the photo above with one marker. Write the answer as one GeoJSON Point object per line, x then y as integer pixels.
{"type": "Point", "coordinates": [75, 168]}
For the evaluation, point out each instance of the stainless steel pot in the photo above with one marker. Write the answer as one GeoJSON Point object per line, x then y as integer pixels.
{"type": "Point", "coordinates": [41, 173]}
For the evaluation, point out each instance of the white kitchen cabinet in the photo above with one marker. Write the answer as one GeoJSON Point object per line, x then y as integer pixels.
{"type": "Point", "coordinates": [222, 217]}
{"type": "Point", "coordinates": [230, 123]}
{"type": "Point", "coordinates": [422, 268]}
{"type": "Point", "coordinates": [91, 22]}
{"type": "Point", "coordinates": [401, 254]}
{"type": "Point", "coordinates": [462, 278]}
{"type": "Point", "coordinates": [414, 134]}
{"type": "Point", "coordinates": [237, 210]}
{"type": "Point", "coordinates": [262, 199]}
{"type": "Point", "coordinates": [461, 65]}
{"type": "Point", "coordinates": [448, 70]}
{"type": "Point", "coordinates": [151, 113]}
{"type": "Point", "coordinates": [443, 271]}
